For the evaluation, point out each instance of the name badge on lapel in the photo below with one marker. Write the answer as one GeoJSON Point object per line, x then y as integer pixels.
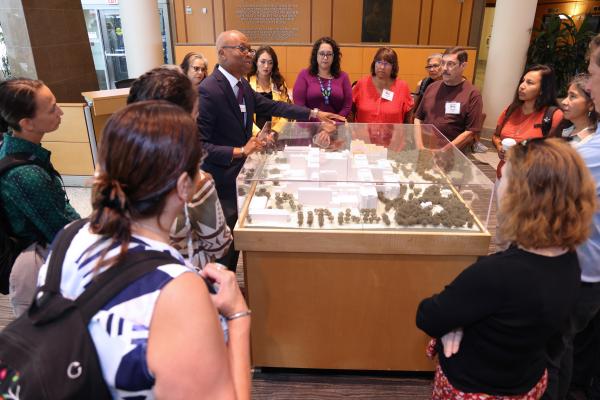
{"type": "Point", "coordinates": [387, 95]}
{"type": "Point", "coordinates": [452, 107]}
{"type": "Point", "coordinates": [243, 108]}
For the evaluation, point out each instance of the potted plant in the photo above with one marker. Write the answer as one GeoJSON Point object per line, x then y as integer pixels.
{"type": "Point", "coordinates": [561, 44]}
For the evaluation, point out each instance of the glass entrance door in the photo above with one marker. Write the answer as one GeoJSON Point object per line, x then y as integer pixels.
{"type": "Point", "coordinates": [114, 48]}
{"type": "Point", "coordinates": [103, 24]}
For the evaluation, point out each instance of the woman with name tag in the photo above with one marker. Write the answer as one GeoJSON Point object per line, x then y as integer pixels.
{"type": "Point", "coordinates": [381, 97]}
{"type": "Point", "coordinates": [323, 85]}
{"type": "Point", "coordinates": [534, 111]}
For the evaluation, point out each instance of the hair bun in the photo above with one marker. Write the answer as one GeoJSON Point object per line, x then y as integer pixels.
{"type": "Point", "coordinates": [113, 196]}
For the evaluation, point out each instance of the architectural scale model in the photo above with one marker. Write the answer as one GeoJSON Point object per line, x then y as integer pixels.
{"type": "Point", "coordinates": [365, 186]}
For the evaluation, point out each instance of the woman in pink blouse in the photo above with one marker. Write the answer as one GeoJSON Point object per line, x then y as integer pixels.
{"type": "Point", "coordinates": [380, 97]}
{"type": "Point", "coordinates": [323, 85]}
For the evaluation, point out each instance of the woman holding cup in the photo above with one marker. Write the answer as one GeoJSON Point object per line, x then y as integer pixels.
{"type": "Point", "coordinates": [534, 112]}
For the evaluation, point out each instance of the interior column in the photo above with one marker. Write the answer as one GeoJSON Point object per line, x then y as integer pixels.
{"type": "Point", "coordinates": [141, 35]}
{"type": "Point", "coordinates": [511, 32]}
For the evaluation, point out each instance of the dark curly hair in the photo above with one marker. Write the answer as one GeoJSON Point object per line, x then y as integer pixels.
{"type": "Point", "coordinates": [164, 83]}
{"type": "Point", "coordinates": [276, 76]}
{"type": "Point", "coordinates": [337, 56]}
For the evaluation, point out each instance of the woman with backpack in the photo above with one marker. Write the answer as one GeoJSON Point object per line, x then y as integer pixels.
{"type": "Point", "coordinates": [33, 201]}
{"type": "Point", "coordinates": [160, 337]}
{"type": "Point", "coordinates": [534, 112]}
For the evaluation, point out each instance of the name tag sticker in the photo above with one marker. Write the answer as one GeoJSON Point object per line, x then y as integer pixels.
{"type": "Point", "coordinates": [387, 95]}
{"type": "Point", "coordinates": [452, 107]}
{"type": "Point", "coordinates": [243, 108]}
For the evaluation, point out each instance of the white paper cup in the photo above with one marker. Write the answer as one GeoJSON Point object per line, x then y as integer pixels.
{"type": "Point", "coordinates": [508, 143]}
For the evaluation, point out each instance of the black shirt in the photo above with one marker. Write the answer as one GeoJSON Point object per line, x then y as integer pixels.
{"type": "Point", "coordinates": [261, 119]}
{"type": "Point", "coordinates": [510, 304]}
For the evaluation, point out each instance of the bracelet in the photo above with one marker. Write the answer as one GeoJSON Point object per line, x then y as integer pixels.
{"type": "Point", "coordinates": [243, 152]}
{"type": "Point", "coordinates": [314, 112]}
{"type": "Point", "coordinates": [240, 314]}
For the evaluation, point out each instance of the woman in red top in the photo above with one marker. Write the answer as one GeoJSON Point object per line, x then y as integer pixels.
{"type": "Point", "coordinates": [523, 118]}
{"type": "Point", "coordinates": [381, 98]}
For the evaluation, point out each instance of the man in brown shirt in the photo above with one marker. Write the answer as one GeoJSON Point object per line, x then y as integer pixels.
{"type": "Point", "coordinates": [453, 105]}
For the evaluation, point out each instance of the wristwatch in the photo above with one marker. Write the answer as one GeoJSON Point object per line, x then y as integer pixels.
{"type": "Point", "coordinates": [314, 112]}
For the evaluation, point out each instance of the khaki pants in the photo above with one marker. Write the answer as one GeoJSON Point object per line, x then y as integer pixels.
{"type": "Point", "coordinates": [24, 276]}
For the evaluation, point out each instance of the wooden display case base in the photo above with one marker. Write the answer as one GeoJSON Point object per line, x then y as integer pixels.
{"type": "Point", "coordinates": [343, 310]}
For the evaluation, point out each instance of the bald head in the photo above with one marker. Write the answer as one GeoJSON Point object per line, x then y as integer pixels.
{"type": "Point", "coordinates": [229, 38]}
{"type": "Point", "coordinates": [231, 53]}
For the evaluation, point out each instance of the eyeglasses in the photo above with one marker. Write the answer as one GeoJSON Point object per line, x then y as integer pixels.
{"type": "Point", "coordinates": [382, 63]}
{"type": "Point", "coordinates": [242, 48]}
{"type": "Point", "coordinates": [432, 66]}
{"type": "Point", "coordinates": [196, 68]}
{"type": "Point", "coordinates": [325, 55]}
{"type": "Point", "coordinates": [449, 64]}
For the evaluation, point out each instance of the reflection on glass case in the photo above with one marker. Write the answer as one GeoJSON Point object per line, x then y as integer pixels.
{"type": "Point", "coordinates": [362, 177]}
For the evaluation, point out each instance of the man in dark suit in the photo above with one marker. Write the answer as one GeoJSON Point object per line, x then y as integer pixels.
{"type": "Point", "coordinates": [227, 104]}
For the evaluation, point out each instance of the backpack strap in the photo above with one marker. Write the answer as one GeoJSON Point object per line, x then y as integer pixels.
{"type": "Point", "coordinates": [15, 160]}
{"type": "Point", "coordinates": [117, 277]}
{"type": "Point", "coordinates": [106, 286]}
{"type": "Point", "coordinates": [60, 245]}
{"type": "Point", "coordinates": [547, 120]}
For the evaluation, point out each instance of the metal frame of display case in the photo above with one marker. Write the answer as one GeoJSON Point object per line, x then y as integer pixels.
{"type": "Point", "coordinates": [347, 298]}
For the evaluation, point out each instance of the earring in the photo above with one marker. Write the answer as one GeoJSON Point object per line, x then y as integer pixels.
{"type": "Point", "coordinates": [188, 227]}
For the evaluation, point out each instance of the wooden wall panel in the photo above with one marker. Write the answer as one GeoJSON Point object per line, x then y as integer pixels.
{"type": "Point", "coordinates": [347, 21]}
{"type": "Point", "coordinates": [321, 19]}
{"type": "Point", "coordinates": [445, 19]}
{"type": "Point", "coordinates": [356, 60]}
{"type": "Point", "coordinates": [426, 10]}
{"type": "Point", "coordinates": [465, 23]}
{"type": "Point", "coordinates": [178, 7]}
{"type": "Point", "coordinates": [219, 19]}
{"type": "Point", "coordinates": [405, 21]}
{"type": "Point", "coordinates": [298, 58]}
{"type": "Point", "coordinates": [70, 144]}
{"type": "Point", "coordinates": [71, 158]}
{"type": "Point", "coordinates": [423, 22]}
{"type": "Point", "coordinates": [270, 21]}
{"type": "Point", "coordinates": [200, 26]}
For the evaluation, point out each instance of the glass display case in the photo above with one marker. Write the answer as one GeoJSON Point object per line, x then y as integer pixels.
{"type": "Point", "coordinates": [362, 177]}
{"type": "Point", "coordinates": [338, 226]}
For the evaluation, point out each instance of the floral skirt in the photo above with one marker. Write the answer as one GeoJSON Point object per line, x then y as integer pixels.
{"type": "Point", "coordinates": [443, 389]}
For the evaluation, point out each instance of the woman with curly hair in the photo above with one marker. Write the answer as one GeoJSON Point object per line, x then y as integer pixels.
{"type": "Point", "coordinates": [492, 325]}
{"type": "Point", "coordinates": [323, 85]}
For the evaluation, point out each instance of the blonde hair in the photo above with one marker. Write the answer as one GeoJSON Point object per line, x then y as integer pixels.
{"type": "Point", "coordinates": [550, 198]}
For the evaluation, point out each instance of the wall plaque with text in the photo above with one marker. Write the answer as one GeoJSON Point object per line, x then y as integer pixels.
{"type": "Point", "coordinates": [269, 21]}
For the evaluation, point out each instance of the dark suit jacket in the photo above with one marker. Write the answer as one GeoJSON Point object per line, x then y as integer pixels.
{"type": "Point", "coordinates": [222, 127]}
